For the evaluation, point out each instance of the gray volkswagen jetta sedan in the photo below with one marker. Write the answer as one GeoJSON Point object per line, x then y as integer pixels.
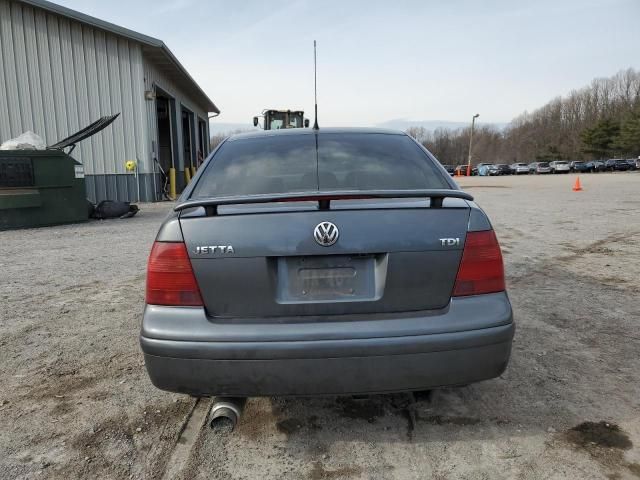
{"type": "Point", "coordinates": [331, 261]}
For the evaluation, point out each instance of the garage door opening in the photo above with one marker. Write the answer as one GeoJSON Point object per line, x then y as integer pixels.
{"type": "Point", "coordinates": [165, 157]}
{"type": "Point", "coordinates": [188, 141]}
{"type": "Point", "coordinates": [203, 141]}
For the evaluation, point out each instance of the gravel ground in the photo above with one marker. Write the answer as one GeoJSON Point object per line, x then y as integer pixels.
{"type": "Point", "coordinates": [76, 403]}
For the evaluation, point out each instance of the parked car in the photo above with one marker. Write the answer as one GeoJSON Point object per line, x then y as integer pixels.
{"type": "Point", "coordinates": [595, 166]}
{"type": "Point", "coordinates": [272, 275]}
{"type": "Point", "coordinates": [559, 166]}
{"type": "Point", "coordinates": [579, 167]}
{"type": "Point", "coordinates": [518, 168]}
{"type": "Point", "coordinates": [493, 170]}
{"type": "Point", "coordinates": [616, 165]}
{"type": "Point", "coordinates": [451, 170]}
{"type": "Point", "coordinates": [503, 169]}
{"type": "Point", "coordinates": [638, 163]}
{"type": "Point", "coordinates": [483, 168]}
{"type": "Point", "coordinates": [539, 167]}
{"type": "Point", "coordinates": [462, 169]}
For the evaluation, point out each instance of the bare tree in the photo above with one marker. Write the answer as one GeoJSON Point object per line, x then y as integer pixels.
{"type": "Point", "coordinates": [553, 131]}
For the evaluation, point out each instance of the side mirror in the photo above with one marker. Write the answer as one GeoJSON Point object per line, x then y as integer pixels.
{"type": "Point", "coordinates": [255, 121]}
{"type": "Point", "coordinates": [306, 124]}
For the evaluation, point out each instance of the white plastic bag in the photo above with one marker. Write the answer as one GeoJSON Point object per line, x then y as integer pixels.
{"type": "Point", "coordinates": [26, 141]}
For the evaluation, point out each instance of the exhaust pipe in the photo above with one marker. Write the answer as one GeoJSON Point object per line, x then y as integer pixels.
{"type": "Point", "coordinates": [225, 413]}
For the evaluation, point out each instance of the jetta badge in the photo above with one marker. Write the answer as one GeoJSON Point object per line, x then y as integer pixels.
{"type": "Point", "coordinates": [326, 234]}
{"type": "Point", "coordinates": [214, 249]}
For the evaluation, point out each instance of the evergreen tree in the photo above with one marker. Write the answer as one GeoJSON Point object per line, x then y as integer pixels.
{"type": "Point", "coordinates": [600, 140]}
{"type": "Point", "coordinates": [628, 140]}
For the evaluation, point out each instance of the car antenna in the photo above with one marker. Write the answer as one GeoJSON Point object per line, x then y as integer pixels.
{"type": "Point", "coordinates": [315, 87]}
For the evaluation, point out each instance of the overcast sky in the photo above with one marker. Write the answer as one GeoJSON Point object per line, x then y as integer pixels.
{"type": "Point", "coordinates": [383, 60]}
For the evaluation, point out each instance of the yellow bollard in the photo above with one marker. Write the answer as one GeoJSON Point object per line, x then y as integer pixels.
{"type": "Point", "coordinates": [172, 183]}
{"type": "Point", "coordinates": [193, 171]}
{"type": "Point", "coordinates": [187, 174]}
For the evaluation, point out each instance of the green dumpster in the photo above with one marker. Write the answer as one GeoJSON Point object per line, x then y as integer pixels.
{"type": "Point", "coordinates": [45, 187]}
{"type": "Point", "coordinates": [40, 188]}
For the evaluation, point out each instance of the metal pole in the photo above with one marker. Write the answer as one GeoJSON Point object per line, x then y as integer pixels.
{"type": "Point", "coordinates": [138, 179]}
{"type": "Point", "coordinates": [315, 87]}
{"type": "Point", "coordinates": [473, 121]}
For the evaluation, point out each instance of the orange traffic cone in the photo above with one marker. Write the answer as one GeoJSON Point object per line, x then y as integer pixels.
{"type": "Point", "coordinates": [576, 186]}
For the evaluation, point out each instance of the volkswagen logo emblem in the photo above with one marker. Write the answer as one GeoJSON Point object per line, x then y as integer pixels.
{"type": "Point", "coordinates": [326, 234]}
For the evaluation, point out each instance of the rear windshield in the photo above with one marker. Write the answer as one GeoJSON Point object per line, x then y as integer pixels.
{"type": "Point", "coordinates": [543, 164]}
{"type": "Point", "coordinates": [344, 161]}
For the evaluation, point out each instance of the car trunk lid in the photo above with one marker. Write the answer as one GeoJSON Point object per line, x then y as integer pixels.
{"type": "Point", "coordinates": [391, 255]}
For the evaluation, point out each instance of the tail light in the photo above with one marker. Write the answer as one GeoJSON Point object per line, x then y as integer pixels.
{"type": "Point", "coordinates": [170, 278]}
{"type": "Point", "coordinates": [481, 269]}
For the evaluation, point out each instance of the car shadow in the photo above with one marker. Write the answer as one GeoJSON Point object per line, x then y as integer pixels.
{"type": "Point", "coordinates": [488, 409]}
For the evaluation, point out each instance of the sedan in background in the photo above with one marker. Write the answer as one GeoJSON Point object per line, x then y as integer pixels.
{"type": "Point", "coordinates": [616, 165]}
{"type": "Point", "coordinates": [579, 167]}
{"type": "Point", "coordinates": [451, 170]}
{"type": "Point", "coordinates": [595, 166]}
{"type": "Point", "coordinates": [503, 169]}
{"type": "Point", "coordinates": [461, 170]}
{"type": "Point", "coordinates": [539, 167]}
{"type": "Point", "coordinates": [484, 169]}
{"type": "Point", "coordinates": [559, 166]}
{"type": "Point", "coordinates": [518, 168]}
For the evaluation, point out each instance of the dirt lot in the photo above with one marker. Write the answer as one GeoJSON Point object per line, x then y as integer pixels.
{"type": "Point", "coordinates": [75, 401]}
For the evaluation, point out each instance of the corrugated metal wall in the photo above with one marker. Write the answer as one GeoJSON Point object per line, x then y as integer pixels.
{"type": "Point", "coordinates": [58, 75]}
{"type": "Point", "coordinates": [153, 77]}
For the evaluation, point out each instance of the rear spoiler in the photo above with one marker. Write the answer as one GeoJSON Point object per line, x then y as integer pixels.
{"type": "Point", "coordinates": [324, 198]}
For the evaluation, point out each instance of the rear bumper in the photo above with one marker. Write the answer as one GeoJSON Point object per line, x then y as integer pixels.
{"type": "Point", "coordinates": [467, 342]}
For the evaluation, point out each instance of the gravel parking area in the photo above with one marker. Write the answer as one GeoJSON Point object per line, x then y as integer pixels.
{"type": "Point", "coordinates": [76, 402]}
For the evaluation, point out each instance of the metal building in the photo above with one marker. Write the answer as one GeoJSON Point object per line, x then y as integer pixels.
{"type": "Point", "coordinates": [60, 70]}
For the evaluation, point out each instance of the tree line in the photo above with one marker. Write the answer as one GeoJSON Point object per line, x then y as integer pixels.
{"type": "Point", "coordinates": [599, 121]}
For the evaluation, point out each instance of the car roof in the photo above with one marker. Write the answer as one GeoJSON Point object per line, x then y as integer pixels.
{"type": "Point", "coordinates": [310, 131]}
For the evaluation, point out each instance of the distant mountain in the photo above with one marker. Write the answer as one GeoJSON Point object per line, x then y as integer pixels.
{"type": "Point", "coordinates": [403, 124]}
